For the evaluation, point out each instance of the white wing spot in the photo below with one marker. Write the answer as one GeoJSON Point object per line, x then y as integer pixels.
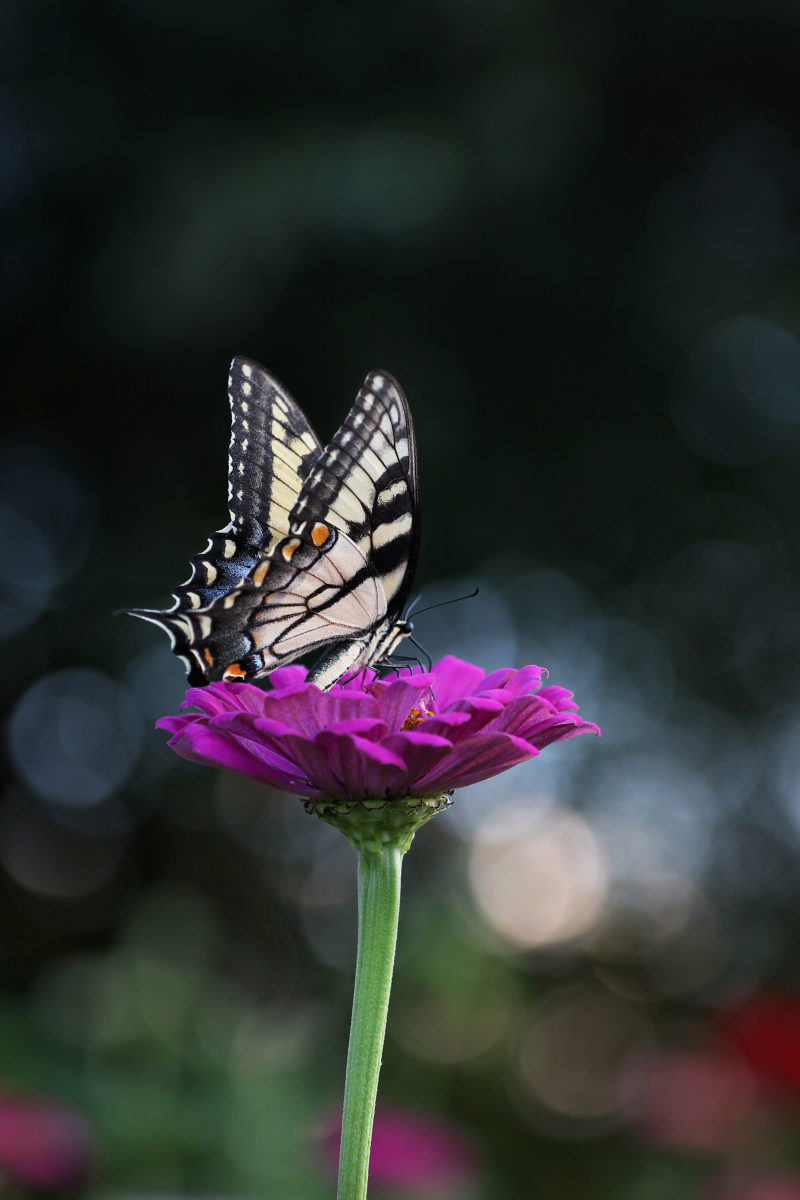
{"type": "Point", "coordinates": [378, 382]}
{"type": "Point", "coordinates": [247, 370]}
{"type": "Point", "coordinates": [211, 572]}
{"type": "Point", "coordinates": [229, 549]}
{"type": "Point", "coordinates": [247, 388]}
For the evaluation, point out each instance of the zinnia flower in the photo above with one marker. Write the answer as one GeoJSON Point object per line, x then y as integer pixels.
{"type": "Point", "coordinates": [408, 734]}
{"type": "Point", "coordinates": [43, 1146]}
{"type": "Point", "coordinates": [694, 1100]}
{"type": "Point", "coordinates": [415, 1152]}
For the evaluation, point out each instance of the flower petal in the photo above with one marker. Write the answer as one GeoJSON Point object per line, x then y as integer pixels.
{"type": "Point", "coordinates": [335, 707]}
{"type": "Point", "coordinates": [283, 678]}
{"type": "Point", "coordinates": [453, 679]}
{"type": "Point", "coordinates": [476, 758]}
{"type": "Point", "coordinates": [201, 743]}
{"type": "Point", "coordinates": [421, 752]}
{"type": "Point", "coordinates": [481, 710]}
{"type": "Point", "coordinates": [561, 698]}
{"type": "Point", "coordinates": [396, 700]}
{"type": "Point", "coordinates": [517, 683]}
{"type": "Point", "coordinates": [364, 768]}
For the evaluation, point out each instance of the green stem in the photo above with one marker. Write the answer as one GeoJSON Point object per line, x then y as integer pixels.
{"type": "Point", "coordinates": [379, 869]}
{"type": "Point", "coordinates": [381, 831]}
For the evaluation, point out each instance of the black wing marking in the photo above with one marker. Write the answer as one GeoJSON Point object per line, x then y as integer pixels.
{"type": "Point", "coordinates": [366, 484]}
{"type": "Point", "coordinates": [272, 448]}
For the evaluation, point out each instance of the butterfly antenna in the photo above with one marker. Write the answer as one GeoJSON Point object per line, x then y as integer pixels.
{"type": "Point", "coordinates": [442, 603]}
{"type": "Point", "coordinates": [413, 605]}
{"type": "Point", "coordinates": [422, 651]}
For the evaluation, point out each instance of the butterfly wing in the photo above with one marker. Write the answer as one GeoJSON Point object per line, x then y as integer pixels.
{"type": "Point", "coordinates": [344, 571]}
{"type": "Point", "coordinates": [366, 484]}
{"type": "Point", "coordinates": [272, 449]}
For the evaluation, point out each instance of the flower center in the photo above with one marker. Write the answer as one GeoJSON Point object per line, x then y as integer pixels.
{"type": "Point", "coordinates": [415, 717]}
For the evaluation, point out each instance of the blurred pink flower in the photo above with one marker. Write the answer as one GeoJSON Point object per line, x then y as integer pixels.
{"type": "Point", "coordinates": [689, 1100]}
{"type": "Point", "coordinates": [42, 1145]}
{"type": "Point", "coordinates": [422, 1154]}
{"type": "Point", "coordinates": [766, 1186]}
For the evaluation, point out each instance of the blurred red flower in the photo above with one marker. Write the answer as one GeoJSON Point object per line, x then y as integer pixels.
{"type": "Point", "coordinates": [42, 1145]}
{"type": "Point", "coordinates": [765, 1030]}
{"type": "Point", "coordinates": [422, 1154]}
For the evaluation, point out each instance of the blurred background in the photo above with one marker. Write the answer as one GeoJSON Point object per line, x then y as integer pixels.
{"type": "Point", "coordinates": [573, 233]}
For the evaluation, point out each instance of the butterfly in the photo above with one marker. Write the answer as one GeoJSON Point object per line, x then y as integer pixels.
{"type": "Point", "coordinates": [322, 543]}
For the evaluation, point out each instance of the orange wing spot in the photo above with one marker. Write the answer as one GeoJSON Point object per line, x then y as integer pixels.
{"type": "Point", "coordinates": [290, 547]}
{"type": "Point", "coordinates": [260, 573]}
{"type": "Point", "coordinates": [208, 656]}
{"type": "Point", "coordinates": [320, 534]}
{"type": "Point", "coordinates": [234, 671]}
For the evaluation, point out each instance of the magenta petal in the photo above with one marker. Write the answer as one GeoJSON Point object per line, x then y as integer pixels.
{"type": "Point", "coordinates": [521, 682]}
{"type": "Point", "coordinates": [562, 728]}
{"type": "Point", "coordinates": [481, 710]}
{"type": "Point", "coordinates": [397, 699]}
{"type": "Point", "coordinates": [312, 761]}
{"type": "Point", "coordinates": [334, 707]}
{"type": "Point", "coordinates": [474, 759]}
{"type": "Point", "coordinates": [211, 700]}
{"type": "Point", "coordinates": [296, 709]}
{"type": "Point", "coordinates": [455, 679]}
{"type": "Point", "coordinates": [200, 743]}
{"type": "Point", "coordinates": [364, 768]}
{"type": "Point", "coordinates": [250, 728]}
{"type": "Point", "coordinates": [421, 752]}
{"type": "Point", "coordinates": [524, 714]}
{"type": "Point", "coordinates": [287, 677]}
{"type": "Point", "coordinates": [561, 698]}
{"type": "Point", "coordinates": [176, 724]}
{"type": "Point", "coordinates": [451, 725]}
{"type": "Point", "coordinates": [373, 729]}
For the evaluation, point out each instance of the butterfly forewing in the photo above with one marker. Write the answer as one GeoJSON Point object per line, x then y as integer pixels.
{"type": "Point", "coordinates": [272, 448]}
{"type": "Point", "coordinates": [365, 484]}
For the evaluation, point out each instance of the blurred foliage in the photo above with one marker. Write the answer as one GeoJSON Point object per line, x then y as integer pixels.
{"type": "Point", "coordinates": [573, 233]}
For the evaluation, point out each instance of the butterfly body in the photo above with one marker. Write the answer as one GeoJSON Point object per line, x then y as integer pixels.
{"type": "Point", "coordinates": [322, 542]}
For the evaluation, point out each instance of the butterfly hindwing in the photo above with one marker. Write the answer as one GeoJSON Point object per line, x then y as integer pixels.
{"type": "Point", "coordinates": [314, 588]}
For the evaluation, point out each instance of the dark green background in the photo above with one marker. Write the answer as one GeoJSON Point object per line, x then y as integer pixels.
{"type": "Point", "coordinates": [572, 231]}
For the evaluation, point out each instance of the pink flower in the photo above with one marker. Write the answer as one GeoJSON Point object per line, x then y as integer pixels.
{"type": "Point", "coordinates": [418, 1153]}
{"type": "Point", "coordinates": [407, 734]}
{"type": "Point", "coordinates": [43, 1146]}
{"type": "Point", "coordinates": [690, 1100]}
{"type": "Point", "coordinates": [766, 1186]}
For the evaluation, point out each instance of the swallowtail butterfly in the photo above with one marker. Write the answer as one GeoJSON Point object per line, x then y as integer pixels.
{"type": "Point", "coordinates": [321, 546]}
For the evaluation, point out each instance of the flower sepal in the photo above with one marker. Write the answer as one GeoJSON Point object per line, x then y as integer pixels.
{"type": "Point", "coordinates": [372, 825]}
